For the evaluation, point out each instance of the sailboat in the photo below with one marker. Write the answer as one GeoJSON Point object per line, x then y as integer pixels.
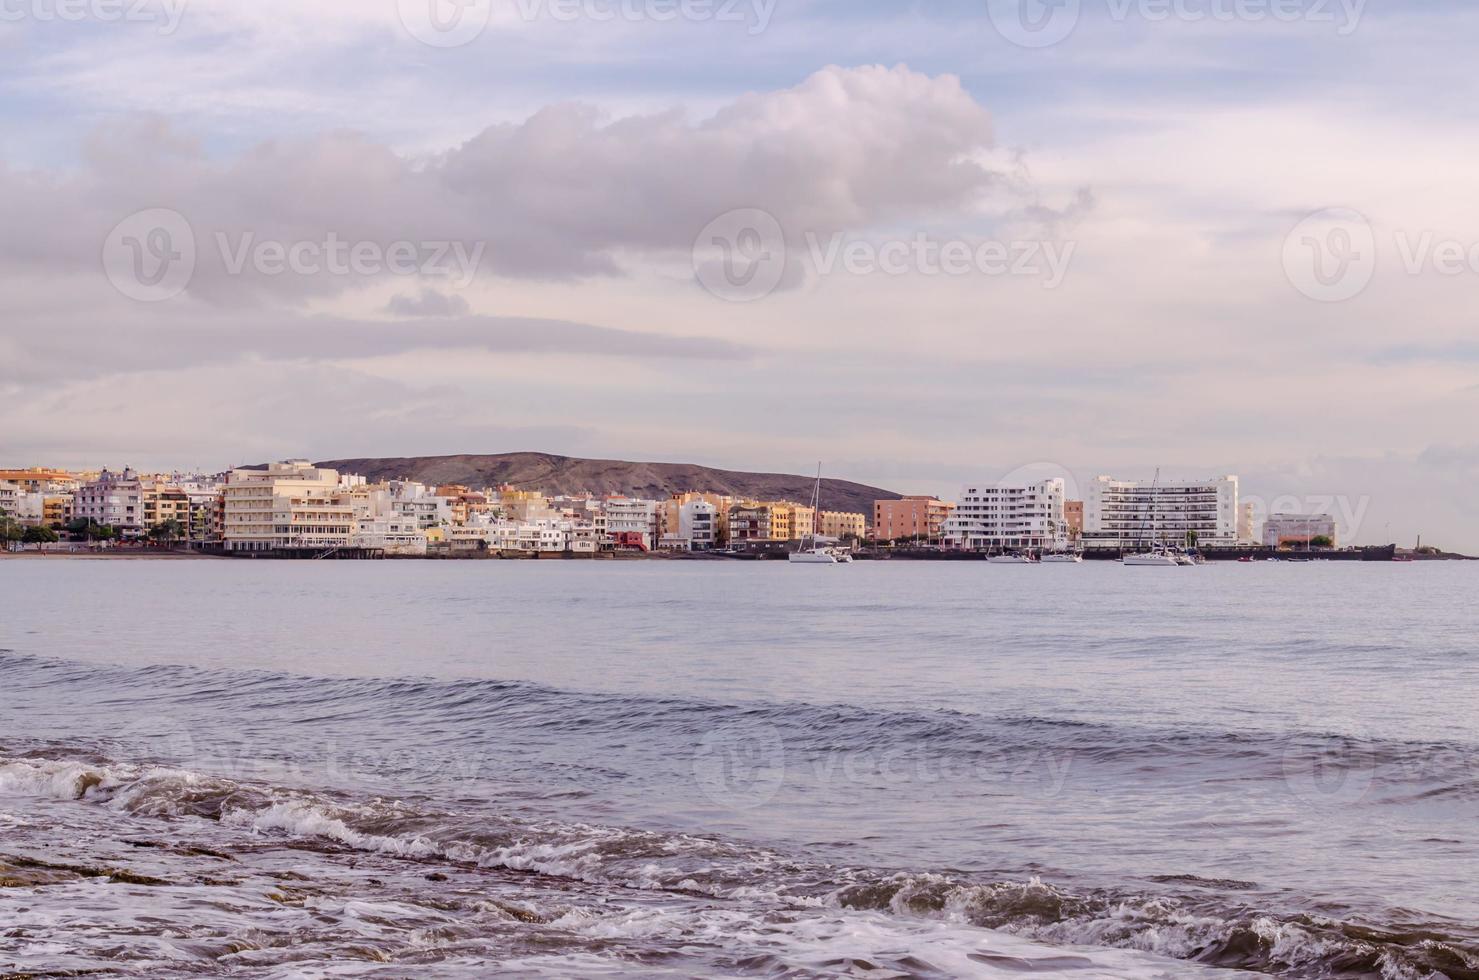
{"type": "Point", "coordinates": [1158, 555]}
{"type": "Point", "coordinates": [1062, 554]}
{"type": "Point", "coordinates": [818, 553]}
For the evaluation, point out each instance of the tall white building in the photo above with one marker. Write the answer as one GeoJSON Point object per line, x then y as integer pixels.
{"type": "Point", "coordinates": [1009, 517]}
{"type": "Point", "coordinates": [698, 525]}
{"type": "Point", "coordinates": [1125, 514]}
{"type": "Point", "coordinates": [288, 505]}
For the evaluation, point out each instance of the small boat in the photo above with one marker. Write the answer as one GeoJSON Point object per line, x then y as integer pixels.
{"type": "Point", "coordinates": [1062, 557]}
{"type": "Point", "coordinates": [1247, 559]}
{"type": "Point", "coordinates": [1022, 558]}
{"type": "Point", "coordinates": [1151, 559]}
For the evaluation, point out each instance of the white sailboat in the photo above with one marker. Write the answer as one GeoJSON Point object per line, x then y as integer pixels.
{"type": "Point", "coordinates": [1062, 555]}
{"type": "Point", "coordinates": [1020, 558]}
{"type": "Point", "coordinates": [818, 553]}
{"type": "Point", "coordinates": [1158, 555]}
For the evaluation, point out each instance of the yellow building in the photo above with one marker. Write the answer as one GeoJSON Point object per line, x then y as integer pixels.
{"type": "Point", "coordinates": [770, 520]}
{"type": "Point", "coordinates": [839, 524]}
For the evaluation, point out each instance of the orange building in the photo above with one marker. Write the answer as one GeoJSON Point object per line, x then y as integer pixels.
{"type": "Point", "coordinates": [1073, 516]}
{"type": "Point", "coordinates": [912, 517]}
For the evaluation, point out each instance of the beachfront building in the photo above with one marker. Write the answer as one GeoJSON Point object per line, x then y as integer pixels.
{"type": "Point", "coordinates": [698, 525]}
{"type": "Point", "coordinates": [291, 504]}
{"type": "Point", "coordinates": [1298, 530]}
{"type": "Point", "coordinates": [395, 534]}
{"type": "Point", "coordinates": [770, 520]}
{"type": "Point", "coordinates": [1130, 514]}
{"type": "Point", "coordinates": [1073, 516]}
{"type": "Point", "coordinates": [112, 500]}
{"type": "Point", "coordinates": [840, 524]}
{"type": "Point", "coordinates": [631, 523]}
{"type": "Point", "coordinates": [165, 503]}
{"type": "Point", "coordinates": [911, 518]}
{"type": "Point", "coordinates": [1009, 517]}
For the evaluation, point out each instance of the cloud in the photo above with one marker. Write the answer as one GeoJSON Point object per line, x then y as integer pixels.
{"type": "Point", "coordinates": [567, 193]}
{"type": "Point", "coordinates": [77, 349]}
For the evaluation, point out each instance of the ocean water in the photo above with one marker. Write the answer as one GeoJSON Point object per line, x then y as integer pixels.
{"type": "Point", "coordinates": [426, 769]}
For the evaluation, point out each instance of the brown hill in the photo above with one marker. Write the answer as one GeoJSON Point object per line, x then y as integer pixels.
{"type": "Point", "coordinates": [565, 474]}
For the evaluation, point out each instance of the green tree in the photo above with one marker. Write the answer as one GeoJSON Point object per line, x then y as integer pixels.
{"type": "Point", "coordinates": [40, 535]}
{"type": "Point", "coordinates": [10, 531]}
{"type": "Point", "coordinates": [1321, 541]}
{"type": "Point", "coordinates": [166, 531]}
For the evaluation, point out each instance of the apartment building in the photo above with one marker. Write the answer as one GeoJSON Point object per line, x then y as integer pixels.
{"type": "Point", "coordinates": [1124, 514]}
{"type": "Point", "coordinates": [112, 499]}
{"type": "Point", "coordinates": [913, 517]}
{"type": "Point", "coordinates": [291, 504]}
{"type": "Point", "coordinates": [1009, 517]}
{"type": "Point", "coordinates": [631, 523]}
{"type": "Point", "coordinates": [840, 524]}
{"type": "Point", "coordinates": [770, 520]}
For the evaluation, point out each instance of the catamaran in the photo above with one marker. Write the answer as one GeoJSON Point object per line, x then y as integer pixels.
{"type": "Point", "coordinates": [818, 553]}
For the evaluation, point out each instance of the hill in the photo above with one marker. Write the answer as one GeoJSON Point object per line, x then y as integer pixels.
{"type": "Point", "coordinates": [566, 474]}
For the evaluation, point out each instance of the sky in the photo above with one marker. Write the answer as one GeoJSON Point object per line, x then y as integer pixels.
{"type": "Point", "coordinates": [927, 242]}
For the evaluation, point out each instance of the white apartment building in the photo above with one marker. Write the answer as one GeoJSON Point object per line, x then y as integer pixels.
{"type": "Point", "coordinates": [626, 517]}
{"type": "Point", "coordinates": [290, 504]}
{"type": "Point", "coordinates": [1125, 514]}
{"type": "Point", "coordinates": [1297, 530]}
{"type": "Point", "coordinates": [10, 497]}
{"type": "Point", "coordinates": [698, 525]}
{"type": "Point", "coordinates": [115, 499]}
{"type": "Point", "coordinates": [397, 535]}
{"type": "Point", "coordinates": [1009, 518]}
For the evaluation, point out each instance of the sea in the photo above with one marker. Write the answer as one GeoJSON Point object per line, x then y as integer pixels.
{"type": "Point", "coordinates": [714, 769]}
